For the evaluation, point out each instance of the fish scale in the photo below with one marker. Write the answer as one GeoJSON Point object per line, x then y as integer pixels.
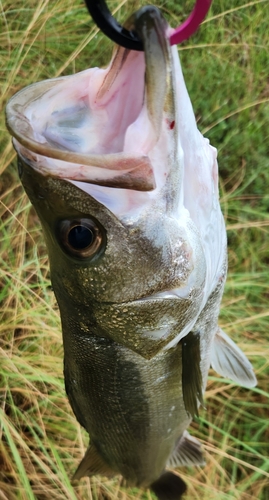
{"type": "Point", "coordinates": [134, 389]}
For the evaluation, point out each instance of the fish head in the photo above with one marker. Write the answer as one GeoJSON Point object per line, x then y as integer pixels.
{"type": "Point", "coordinates": [126, 189]}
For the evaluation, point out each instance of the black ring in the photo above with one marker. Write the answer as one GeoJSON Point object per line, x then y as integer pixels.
{"type": "Point", "coordinates": [111, 28]}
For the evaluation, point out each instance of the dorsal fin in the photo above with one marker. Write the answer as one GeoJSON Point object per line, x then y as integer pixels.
{"type": "Point", "coordinates": [229, 361]}
{"type": "Point", "coordinates": [187, 452]}
{"type": "Point", "coordinates": [191, 373]}
{"type": "Point", "coordinates": [91, 464]}
{"type": "Point", "coordinates": [169, 486]}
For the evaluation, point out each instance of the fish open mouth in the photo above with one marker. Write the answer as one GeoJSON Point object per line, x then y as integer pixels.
{"type": "Point", "coordinates": [130, 127]}
{"type": "Point", "coordinates": [102, 126]}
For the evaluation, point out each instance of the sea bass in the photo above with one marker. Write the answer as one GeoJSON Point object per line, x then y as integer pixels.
{"type": "Point", "coordinates": [126, 189]}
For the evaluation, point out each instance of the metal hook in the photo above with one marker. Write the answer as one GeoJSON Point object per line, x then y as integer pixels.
{"type": "Point", "coordinates": [129, 39]}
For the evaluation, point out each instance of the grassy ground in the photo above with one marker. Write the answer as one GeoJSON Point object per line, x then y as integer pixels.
{"type": "Point", "coordinates": [226, 67]}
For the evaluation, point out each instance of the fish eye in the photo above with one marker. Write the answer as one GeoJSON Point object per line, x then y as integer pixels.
{"type": "Point", "coordinates": [82, 238]}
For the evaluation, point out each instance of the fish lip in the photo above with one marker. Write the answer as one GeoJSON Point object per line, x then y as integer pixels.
{"type": "Point", "coordinates": [138, 176]}
{"type": "Point", "coordinates": [156, 297]}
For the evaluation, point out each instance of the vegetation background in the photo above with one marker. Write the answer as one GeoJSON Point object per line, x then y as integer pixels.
{"type": "Point", "coordinates": [226, 68]}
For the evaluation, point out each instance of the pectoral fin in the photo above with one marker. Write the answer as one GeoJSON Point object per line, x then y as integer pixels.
{"type": "Point", "coordinates": [191, 373]}
{"type": "Point", "coordinates": [229, 361]}
{"type": "Point", "coordinates": [91, 464]}
{"type": "Point", "coordinates": [187, 452]}
{"type": "Point", "coordinates": [169, 487]}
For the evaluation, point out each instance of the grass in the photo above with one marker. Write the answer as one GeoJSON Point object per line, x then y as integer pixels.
{"type": "Point", "coordinates": [226, 67]}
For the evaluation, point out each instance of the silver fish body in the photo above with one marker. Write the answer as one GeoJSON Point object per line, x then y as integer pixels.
{"type": "Point", "coordinates": [126, 189]}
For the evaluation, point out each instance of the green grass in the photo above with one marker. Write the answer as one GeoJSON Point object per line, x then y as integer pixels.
{"type": "Point", "coordinates": [226, 68]}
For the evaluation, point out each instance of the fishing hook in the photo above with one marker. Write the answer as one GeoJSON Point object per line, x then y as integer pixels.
{"type": "Point", "coordinates": [129, 39]}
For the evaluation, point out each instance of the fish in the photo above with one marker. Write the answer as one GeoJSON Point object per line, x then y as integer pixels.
{"type": "Point", "coordinates": [126, 189]}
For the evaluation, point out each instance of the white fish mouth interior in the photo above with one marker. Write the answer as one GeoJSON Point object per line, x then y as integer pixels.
{"type": "Point", "coordinates": [88, 114]}
{"type": "Point", "coordinates": [101, 114]}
